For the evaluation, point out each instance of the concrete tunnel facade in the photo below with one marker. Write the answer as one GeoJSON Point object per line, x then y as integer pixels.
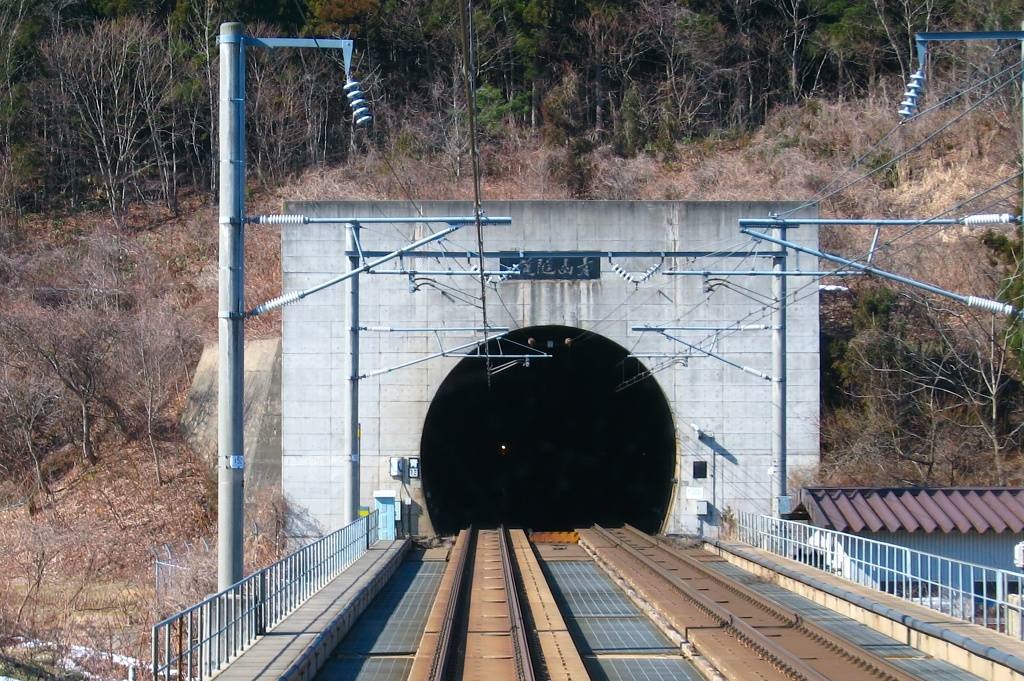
{"type": "Point", "coordinates": [586, 438]}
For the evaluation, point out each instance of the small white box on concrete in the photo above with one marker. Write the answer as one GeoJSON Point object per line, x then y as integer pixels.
{"type": "Point", "coordinates": [397, 466]}
{"type": "Point", "coordinates": [702, 508]}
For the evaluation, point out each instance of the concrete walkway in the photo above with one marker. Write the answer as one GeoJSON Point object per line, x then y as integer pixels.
{"type": "Point", "coordinates": [297, 647]}
{"type": "Point", "coordinates": [970, 647]}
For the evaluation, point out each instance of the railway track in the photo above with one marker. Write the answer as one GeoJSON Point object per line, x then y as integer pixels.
{"type": "Point", "coordinates": [743, 634]}
{"type": "Point", "coordinates": [478, 628]}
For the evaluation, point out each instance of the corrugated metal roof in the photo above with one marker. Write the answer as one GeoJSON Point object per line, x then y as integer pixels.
{"type": "Point", "coordinates": [915, 509]}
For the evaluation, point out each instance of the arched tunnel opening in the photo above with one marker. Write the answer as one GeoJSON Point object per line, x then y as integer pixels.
{"type": "Point", "coordinates": [549, 446]}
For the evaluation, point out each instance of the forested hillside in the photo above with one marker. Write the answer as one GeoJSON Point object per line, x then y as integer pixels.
{"type": "Point", "coordinates": [108, 240]}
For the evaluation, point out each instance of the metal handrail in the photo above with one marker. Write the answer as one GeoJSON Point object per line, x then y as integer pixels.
{"type": "Point", "coordinates": [197, 642]}
{"type": "Point", "coordinates": [988, 596]}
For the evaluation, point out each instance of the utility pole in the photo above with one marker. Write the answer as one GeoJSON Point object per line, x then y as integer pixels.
{"type": "Point", "coordinates": [350, 476]}
{"type": "Point", "coordinates": [779, 492]}
{"type": "Point", "coordinates": [231, 309]}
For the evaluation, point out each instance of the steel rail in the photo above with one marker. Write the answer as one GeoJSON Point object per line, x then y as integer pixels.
{"type": "Point", "coordinates": [442, 654]}
{"type": "Point", "coordinates": [784, 659]}
{"type": "Point", "coordinates": [856, 654]}
{"type": "Point", "coordinates": [851, 650]}
{"type": "Point", "coordinates": [520, 639]}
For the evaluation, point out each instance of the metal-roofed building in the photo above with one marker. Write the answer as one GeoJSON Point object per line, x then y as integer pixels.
{"type": "Point", "coordinates": [972, 524]}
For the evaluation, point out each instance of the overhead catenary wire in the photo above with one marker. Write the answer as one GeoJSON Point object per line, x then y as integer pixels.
{"type": "Point", "coordinates": [827, 192]}
{"type": "Point", "coordinates": [795, 295]}
{"type": "Point", "coordinates": [469, 78]}
{"type": "Point", "coordinates": [799, 294]}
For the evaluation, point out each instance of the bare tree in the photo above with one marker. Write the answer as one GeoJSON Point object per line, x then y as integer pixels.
{"type": "Point", "coordinates": [13, 15]}
{"type": "Point", "coordinates": [974, 367]}
{"type": "Point", "coordinates": [155, 81]}
{"type": "Point", "coordinates": [155, 339]}
{"type": "Point", "coordinates": [79, 348]}
{"type": "Point", "coordinates": [798, 17]}
{"type": "Point", "coordinates": [99, 74]}
{"type": "Point", "coordinates": [29, 403]}
{"type": "Point", "coordinates": [901, 20]}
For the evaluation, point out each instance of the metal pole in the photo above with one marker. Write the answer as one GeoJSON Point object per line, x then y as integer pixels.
{"type": "Point", "coordinates": [231, 334]}
{"type": "Point", "coordinates": [350, 479]}
{"type": "Point", "coordinates": [779, 383]}
{"type": "Point", "coordinates": [993, 306]}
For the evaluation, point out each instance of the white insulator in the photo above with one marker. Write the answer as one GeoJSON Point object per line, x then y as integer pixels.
{"type": "Point", "coordinates": [275, 303]}
{"type": "Point", "coordinates": [281, 220]}
{"type": "Point", "coordinates": [755, 372]}
{"type": "Point", "coordinates": [650, 272]}
{"type": "Point", "coordinates": [993, 306]}
{"type": "Point", "coordinates": [989, 219]}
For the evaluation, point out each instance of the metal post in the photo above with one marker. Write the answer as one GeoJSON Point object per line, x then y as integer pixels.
{"type": "Point", "coordinates": [350, 478]}
{"type": "Point", "coordinates": [779, 384]}
{"type": "Point", "coordinates": [230, 445]}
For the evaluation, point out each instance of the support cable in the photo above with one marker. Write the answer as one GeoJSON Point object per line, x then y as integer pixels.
{"type": "Point", "coordinates": [469, 73]}
{"type": "Point", "coordinates": [899, 157]}
{"type": "Point", "coordinates": [801, 293]}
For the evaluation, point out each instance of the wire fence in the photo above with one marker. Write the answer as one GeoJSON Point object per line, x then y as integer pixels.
{"type": "Point", "coordinates": [178, 570]}
{"type": "Point", "coordinates": [197, 642]}
{"type": "Point", "coordinates": [969, 592]}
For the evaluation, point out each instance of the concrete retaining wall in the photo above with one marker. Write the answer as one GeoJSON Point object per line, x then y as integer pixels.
{"type": "Point", "coordinates": [262, 410]}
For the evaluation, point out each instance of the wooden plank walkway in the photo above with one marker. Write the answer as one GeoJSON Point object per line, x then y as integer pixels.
{"type": "Point", "coordinates": [298, 646]}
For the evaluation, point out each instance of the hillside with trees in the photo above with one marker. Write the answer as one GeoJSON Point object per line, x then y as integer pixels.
{"type": "Point", "coordinates": [108, 113]}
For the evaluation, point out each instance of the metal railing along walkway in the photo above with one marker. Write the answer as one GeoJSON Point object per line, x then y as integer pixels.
{"type": "Point", "coordinates": [199, 641]}
{"type": "Point", "coordinates": [973, 593]}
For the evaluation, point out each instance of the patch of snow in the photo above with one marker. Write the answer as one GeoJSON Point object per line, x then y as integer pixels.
{"type": "Point", "coordinates": [832, 287]}
{"type": "Point", "coordinates": [76, 654]}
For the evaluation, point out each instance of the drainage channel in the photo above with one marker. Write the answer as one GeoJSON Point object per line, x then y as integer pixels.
{"type": "Point", "coordinates": [617, 641]}
{"type": "Point", "coordinates": [382, 642]}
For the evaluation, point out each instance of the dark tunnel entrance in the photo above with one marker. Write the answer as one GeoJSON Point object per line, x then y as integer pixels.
{"type": "Point", "coordinates": [551, 446]}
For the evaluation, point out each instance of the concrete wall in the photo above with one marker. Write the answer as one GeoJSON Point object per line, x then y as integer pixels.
{"type": "Point", "coordinates": [731, 405]}
{"type": "Point", "coordinates": [262, 410]}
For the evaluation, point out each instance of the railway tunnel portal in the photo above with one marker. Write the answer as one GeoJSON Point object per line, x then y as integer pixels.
{"type": "Point", "coordinates": [549, 446]}
{"type": "Point", "coordinates": [588, 437]}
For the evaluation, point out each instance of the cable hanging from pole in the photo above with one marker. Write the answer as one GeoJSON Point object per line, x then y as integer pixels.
{"type": "Point", "coordinates": [469, 78]}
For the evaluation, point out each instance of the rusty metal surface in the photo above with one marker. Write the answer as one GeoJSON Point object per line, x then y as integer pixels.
{"type": "Point", "coordinates": [557, 656]}
{"type": "Point", "coordinates": [743, 634]}
{"type": "Point", "coordinates": [431, 660]}
{"type": "Point", "coordinates": [553, 551]}
{"type": "Point", "coordinates": [476, 629]}
{"type": "Point", "coordinates": [555, 537]}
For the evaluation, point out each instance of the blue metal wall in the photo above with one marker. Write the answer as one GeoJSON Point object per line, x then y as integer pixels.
{"type": "Point", "coordinates": [990, 550]}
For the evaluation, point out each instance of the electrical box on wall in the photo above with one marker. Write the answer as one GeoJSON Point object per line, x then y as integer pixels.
{"type": "Point", "coordinates": [397, 468]}
{"type": "Point", "coordinates": [414, 467]}
{"type": "Point", "coordinates": [702, 508]}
